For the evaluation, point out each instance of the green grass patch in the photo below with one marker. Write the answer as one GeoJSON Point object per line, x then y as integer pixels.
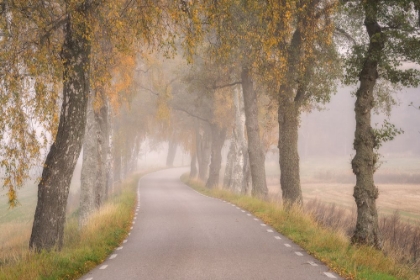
{"type": "Point", "coordinates": [330, 247]}
{"type": "Point", "coordinates": [83, 248]}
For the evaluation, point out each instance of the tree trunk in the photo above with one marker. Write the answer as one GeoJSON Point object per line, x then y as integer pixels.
{"type": "Point", "coordinates": [109, 156]}
{"type": "Point", "coordinates": [53, 189]}
{"type": "Point", "coordinates": [291, 94]}
{"type": "Point", "coordinates": [237, 174]}
{"type": "Point", "coordinates": [117, 165]}
{"type": "Point", "coordinates": [89, 166]}
{"type": "Point", "coordinates": [227, 179]}
{"type": "Point", "coordinates": [193, 170]}
{"type": "Point", "coordinates": [93, 190]}
{"type": "Point", "coordinates": [288, 118]}
{"type": "Point", "coordinates": [218, 139]}
{"type": "Point", "coordinates": [365, 191]}
{"type": "Point", "coordinates": [255, 150]}
{"type": "Point", "coordinates": [172, 146]}
{"type": "Point", "coordinates": [203, 152]}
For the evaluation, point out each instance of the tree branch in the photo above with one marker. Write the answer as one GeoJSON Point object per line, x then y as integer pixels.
{"type": "Point", "coordinates": [54, 27]}
{"type": "Point", "coordinates": [149, 90]}
{"type": "Point", "coordinates": [227, 85]}
{"type": "Point", "coordinates": [192, 114]}
{"type": "Point", "coordinates": [342, 32]}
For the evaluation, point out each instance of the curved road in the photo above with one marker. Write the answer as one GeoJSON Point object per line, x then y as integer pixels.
{"type": "Point", "coordinates": [180, 234]}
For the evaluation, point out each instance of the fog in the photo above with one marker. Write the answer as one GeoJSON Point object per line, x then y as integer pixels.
{"type": "Point", "coordinates": [330, 132]}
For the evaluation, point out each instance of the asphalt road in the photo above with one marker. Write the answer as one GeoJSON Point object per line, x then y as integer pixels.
{"type": "Point", "coordinates": [180, 234]}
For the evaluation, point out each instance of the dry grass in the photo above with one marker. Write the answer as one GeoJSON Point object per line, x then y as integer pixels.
{"type": "Point", "coordinates": [83, 248]}
{"type": "Point", "coordinates": [14, 241]}
{"type": "Point", "coordinates": [401, 239]}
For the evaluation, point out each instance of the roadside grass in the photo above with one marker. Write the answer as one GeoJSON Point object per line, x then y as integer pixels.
{"type": "Point", "coordinates": [83, 248]}
{"type": "Point", "coordinates": [329, 245]}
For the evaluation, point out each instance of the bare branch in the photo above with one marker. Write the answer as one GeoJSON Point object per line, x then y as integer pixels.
{"type": "Point", "coordinates": [192, 114]}
{"type": "Point", "coordinates": [227, 85]}
{"type": "Point", "coordinates": [341, 32]}
{"type": "Point", "coordinates": [149, 90]}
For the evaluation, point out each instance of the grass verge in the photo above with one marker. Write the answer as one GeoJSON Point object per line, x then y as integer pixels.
{"type": "Point", "coordinates": [83, 249]}
{"type": "Point", "coordinates": [329, 246]}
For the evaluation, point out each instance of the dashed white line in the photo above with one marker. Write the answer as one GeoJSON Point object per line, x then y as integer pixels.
{"type": "Point", "coordinates": [89, 278]}
{"type": "Point", "coordinates": [312, 263]}
{"type": "Point", "coordinates": [277, 237]}
{"type": "Point", "coordinates": [243, 211]}
{"type": "Point", "coordinates": [103, 267]}
{"type": "Point", "coordinates": [263, 225]}
{"type": "Point", "coordinates": [330, 275]}
{"type": "Point", "coordinates": [134, 222]}
{"type": "Point", "coordinates": [135, 218]}
{"type": "Point", "coordinates": [248, 214]}
{"type": "Point", "coordinates": [287, 245]}
{"type": "Point", "coordinates": [113, 256]}
{"type": "Point", "coordinates": [129, 233]}
{"type": "Point", "coordinates": [120, 248]}
{"type": "Point", "coordinates": [269, 230]}
{"type": "Point", "coordinates": [131, 228]}
{"type": "Point", "coordinates": [255, 219]}
{"type": "Point", "coordinates": [125, 241]}
{"type": "Point", "coordinates": [299, 254]}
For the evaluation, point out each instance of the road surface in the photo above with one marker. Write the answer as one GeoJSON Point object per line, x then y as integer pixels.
{"type": "Point", "coordinates": [180, 234]}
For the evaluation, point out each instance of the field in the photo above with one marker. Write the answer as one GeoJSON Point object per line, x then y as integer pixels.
{"type": "Point", "coordinates": [16, 223]}
{"type": "Point", "coordinates": [331, 181]}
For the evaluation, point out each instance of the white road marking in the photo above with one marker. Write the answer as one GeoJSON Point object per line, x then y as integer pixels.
{"type": "Point", "coordinates": [135, 218]}
{"type": "Point", "coordinates": [263, 225]}
{"type": "Point", "coordinates": [256, 219]}
{"type": "Point", "coordinates": [113, 256]}
{"type": "Point", "coordinates": [89, 278]}
{"type": "Point", "coordinates": [131, 228]}
{"type": "Point", "coordinates": [129, 233]}
{"type": "Point", "coordinates": [287, 245]}
{"type": "Point", "coordinates": [277, 237]}
{"type": "Point", "coordinates": [125, 241]}
{"type": "Point", "coordinates": [120, 248]}
{"type": "Point", "coordinates": [103, 267]}
{"type": "Point", "coordinates": [203, 194]}
{"type": "Point", "coordinates": [248, 214]}
{"type": "Point", "coordinates": [330, 275]}
{"type": "Point", "coordinates": [134, 222]}
{"type": "Point", "coordinates": [238, 208]}
{"type": "Point", "coordinates": [269, 230]}
{"type": "Point", "coordinates": [312, 263]}
{"type": "Point", "coordinates": [243, 211]}
{"type": "Point", "coordinates": [299, 254]}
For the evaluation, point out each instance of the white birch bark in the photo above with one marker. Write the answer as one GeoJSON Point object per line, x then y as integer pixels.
{"type": "Point", "coordinates": [237, 173]}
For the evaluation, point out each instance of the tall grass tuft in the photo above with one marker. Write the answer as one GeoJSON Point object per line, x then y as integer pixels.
{"type": "Point", "coordinates": [83, 248]}
{"type": "Point", "coordinates": [401, 238]}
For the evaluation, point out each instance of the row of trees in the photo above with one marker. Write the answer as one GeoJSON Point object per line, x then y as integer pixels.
{"type": "Point", "coordinates": [283, 57]}
{"type": "Point", "coordinates": [295, 53]}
